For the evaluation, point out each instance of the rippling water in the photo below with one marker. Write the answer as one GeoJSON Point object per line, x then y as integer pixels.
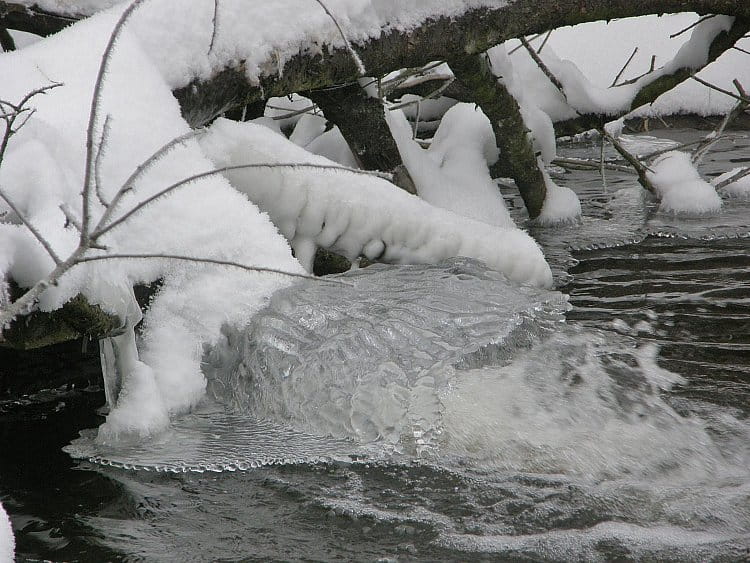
{"type": "Point", "coordinates": [620, 434]}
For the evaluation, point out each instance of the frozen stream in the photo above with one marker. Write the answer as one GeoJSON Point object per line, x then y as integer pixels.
{"type": "Point", "coordinates": [441, 413]}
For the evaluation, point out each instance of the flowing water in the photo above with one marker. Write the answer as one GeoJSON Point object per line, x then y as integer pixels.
{"type": "Point", "coordinates": [440, 413]}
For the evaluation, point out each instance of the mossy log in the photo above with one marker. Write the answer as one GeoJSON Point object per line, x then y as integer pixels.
{"type": "Point", "coordinates": [76, 319]}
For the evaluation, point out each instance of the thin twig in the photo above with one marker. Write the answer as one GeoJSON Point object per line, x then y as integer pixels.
{"type": "Point", "coordinates": [29, 225]}
{"type": "Point", "coordinates": [141, 169]}
{"type": "Point", "coordinates": [722, 90]}
{"type": "Point", "coordinates": [733, 178]}
{"type": "Point", "coordinates": [101, 149]}
{"type": "Point", "coordinates": [88, 179]}
{"type": "Point", "coordinates": [692, 25]}
{"type": "Point", "coordinates": [546, 38]}
{"type": "Point", "coordinates": [520, 46]}
{"type": "Point", "coordinates": [640, 168]}
{"type": "Point", "coordinates": [200, 260]}
{"type": "Point", "coordinates": [625, 66]}
{"type": "Point", "coordinates": [215, 24]}
{"type": "Point", "coordinates": [585, 164]}
{"type": "Point", "coordinates": [543, 67]}
{"type": "Point", "coordinates": [357, 61]}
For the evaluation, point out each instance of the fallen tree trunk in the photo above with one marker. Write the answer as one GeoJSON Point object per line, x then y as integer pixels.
{"type": "Point", "coordinates": [440, 38]}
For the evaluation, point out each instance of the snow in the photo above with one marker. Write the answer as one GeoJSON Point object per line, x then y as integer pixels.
{"type": "Point", "coordinates": [7, 541]}
{"type": "Point", "coordinates": [358, 215]}
{"type": "Point", "coordinates": [561, 204]}
{"type": "Point", "coordinates": [260, 36]}
{"type": "Point", "coordinates": [739, 189]}
{"type": "Point", "coordinates": [44, 169]}
{"type": "Point", "coordinates": [453, 173]}
{"type": "Point", "coordinates": [680, 187]}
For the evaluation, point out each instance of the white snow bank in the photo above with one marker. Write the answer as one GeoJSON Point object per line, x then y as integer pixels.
{"type": "Point", "coordinates": [561, 204]}
{"type": "Point", "coordinates": [261, 36]}
{"type": "Point", "coordinates": [7, 541]}
{"type": "Point", "coordinates": [453, 173]}
{"type": "Point", "coordinates": [739, 189]}
{"type": "Point", "coordinates": [208, 218]}
{"type": "Point", "coordinates": [680, 187]}
{"type": "Point", "coordinates": [361, 215]}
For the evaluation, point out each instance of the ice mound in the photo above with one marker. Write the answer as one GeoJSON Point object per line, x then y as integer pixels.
{"type": "Point", "coordinates": [368, 359]}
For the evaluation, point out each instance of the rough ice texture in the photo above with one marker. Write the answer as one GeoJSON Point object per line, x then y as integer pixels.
{"type": "Point", "coordinates": [369, 361]}
{"type": "Point", "coordinates": [680, 187]}
{"type": "Point", "coordinates": [453, 173]}
{"type": "Point", "coordinates": [7, 541]}
{"type": "Point", "coordinates": [361, 215]}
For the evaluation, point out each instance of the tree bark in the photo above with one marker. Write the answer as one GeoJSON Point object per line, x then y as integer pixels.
{"type": "Point", "coordinates": [517, 156]}
{"type": "Point", "coordinates": [361, 121]}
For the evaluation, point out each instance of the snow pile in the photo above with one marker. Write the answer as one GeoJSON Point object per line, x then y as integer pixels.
{"type": "Point", "coordinates": [7, 541]}
{"type": "Point", "coordinates": [453, 173]}
{"type": "Point", "coordinates": [43, 169]}
{"type": "Point", "coordinates": [561, 204]}
{"type": "Point", "coordinates": [361, 215]}
{"type": "Point", "coordinates": [680, 187]}
{"type": "Point", "coordinates": [739, 189]}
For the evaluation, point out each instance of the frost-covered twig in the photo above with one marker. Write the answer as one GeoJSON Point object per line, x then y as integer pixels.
{"type": "Point", "coordinates": [11, 129]}
{"type": "Point", "coordinates": [355, 57]}
{"type": "Point", "coordinates": [215, 26]}
{"type": "Point", "coordinates": [100, 152]}
{"type": "Point", "coordinates": [89, 170]}
{"type": "Point", "coordinates": [201, 260]}
{"type": "Point", "coordinates": [711, 139]}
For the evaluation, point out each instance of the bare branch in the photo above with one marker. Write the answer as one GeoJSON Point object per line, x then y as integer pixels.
{"type": "Point", "coordinates": [141, 169]}
{"type": "Point", "coordinates": [357, 61]}
{"type": "Point", "coordinates": [722, 90]}
{"type": "Point", "coordinates": [625, 66]}
{"type": "Point", "coordinates": [200, 260]}
{"type": "Point", "coordinates": [692, 25]}
{"type": "Point", "coordinates": [543, 67]}
{"type": "Point", "coordinates": [101, 149]}
{"type": "Point", "coordinates": [70, 216]}
{"type": "Point", "coordinates": [29, 225]}
{"type": "Point", "coordinates": [89, 172]}
{"type": "Point", "coordinates": [640, 168]}
{"type": "Point", "coordinates": [733, 178]}
{"type": "Point", "coordinates": [215, 26]}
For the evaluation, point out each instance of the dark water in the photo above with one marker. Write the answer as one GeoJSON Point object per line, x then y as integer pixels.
{"type": "Point", "coordinates": [599, 465]}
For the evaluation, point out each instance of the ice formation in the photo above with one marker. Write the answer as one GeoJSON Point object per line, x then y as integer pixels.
{"type": "Point", "coordinates": [680, 187]}
{"type": "Point", "coordinates": [361, 215]}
